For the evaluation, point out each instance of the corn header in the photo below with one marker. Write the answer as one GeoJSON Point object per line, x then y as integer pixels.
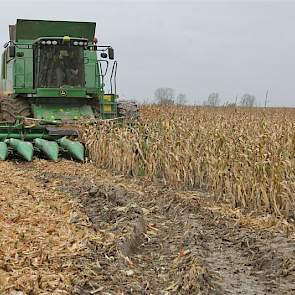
{"type": "Point", "coordinates": [47, 140]}
{"type": "Point", "coordinates": [56, 73]}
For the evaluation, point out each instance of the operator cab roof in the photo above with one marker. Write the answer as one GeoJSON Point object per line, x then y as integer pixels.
{"type": "Point", "coordinates": [35, 29]}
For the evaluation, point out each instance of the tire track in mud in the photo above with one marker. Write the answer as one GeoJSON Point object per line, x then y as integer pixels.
{"type": "Point", "coordinates": [159, 243]}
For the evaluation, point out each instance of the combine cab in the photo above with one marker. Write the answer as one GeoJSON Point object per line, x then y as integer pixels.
{"type": "Point", "coordinates": [55, 72]}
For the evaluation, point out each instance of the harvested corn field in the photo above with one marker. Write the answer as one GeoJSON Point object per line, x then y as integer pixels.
{"type": "Point", "coordinates": [69, 228]}
{"type": "Point", "coordinates": [185, 201]}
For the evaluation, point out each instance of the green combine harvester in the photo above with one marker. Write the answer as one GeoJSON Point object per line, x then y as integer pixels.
{"type": "Point", "coordinates": [55, 73]}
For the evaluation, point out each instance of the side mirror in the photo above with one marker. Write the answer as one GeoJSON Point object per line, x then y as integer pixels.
{"type": "Point", "coordinates": [111, 52]}
{"type": "Point", "coordinates": [11, 51]}
{"type": "Point", "coordinates": [103, 55]}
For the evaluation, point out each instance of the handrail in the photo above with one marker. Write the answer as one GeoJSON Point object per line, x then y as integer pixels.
{"type": "Point", "coordinates": [100, 73]}
{"type": "Point", "coordinates": [113, 77]}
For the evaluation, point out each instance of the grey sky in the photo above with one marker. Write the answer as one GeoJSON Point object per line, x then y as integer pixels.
{"type": "Point", "coordinates": [194, 47]}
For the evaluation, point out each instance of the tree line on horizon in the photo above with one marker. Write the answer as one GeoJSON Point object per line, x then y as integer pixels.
{"type": "Point", "coordinates": [167, 96]}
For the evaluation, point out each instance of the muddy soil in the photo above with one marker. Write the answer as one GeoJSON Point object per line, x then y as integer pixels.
{"type": "Point", "coordinates": [156, 241]}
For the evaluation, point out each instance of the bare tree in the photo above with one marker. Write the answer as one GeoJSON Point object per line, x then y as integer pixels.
{"type": "Point", "coordinates": [164, 95]}
{"type": "Point", "coordinates": [230, 104]}
{"type": "Point", "coordinates": [213, 100]}
{"type": "Point", "coordinates": [181, 99]}
{"type": "Point", "coordinates": [248, 100]}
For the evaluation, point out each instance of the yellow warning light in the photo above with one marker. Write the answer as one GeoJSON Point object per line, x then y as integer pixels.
{"type": "Point", "coordinates": [66, 38]}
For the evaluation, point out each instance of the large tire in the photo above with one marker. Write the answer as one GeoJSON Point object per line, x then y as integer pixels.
{"type": "Point", "coordinates": [128, 109]}
{"type": "Point", "coordinates": [10, 108]}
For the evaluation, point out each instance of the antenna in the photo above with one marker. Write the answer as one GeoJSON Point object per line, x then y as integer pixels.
{"type": "Point", "coordinates": [266, 98]}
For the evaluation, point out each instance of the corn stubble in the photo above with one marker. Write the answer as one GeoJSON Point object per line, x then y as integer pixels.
{"type": "Point", "coordinates": [242, 156]}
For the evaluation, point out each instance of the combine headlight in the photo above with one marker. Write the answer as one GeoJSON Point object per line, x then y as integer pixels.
{"type": "Point", "coordinates": [43, 42]}
{"type": "Point", "coordinates": [54, 42]}
{"type": "Point", "coordinates": [76, 43]}
{"type": "Point", "coordinates": [81, 43]}
{"type": "Point", "coordinates": [48, 42]}
{"type": "Point", "coordinates": [85, 43]}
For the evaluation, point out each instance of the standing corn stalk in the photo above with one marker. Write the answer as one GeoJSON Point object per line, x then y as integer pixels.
{"type": "Point", "coordinates": [243, 156]}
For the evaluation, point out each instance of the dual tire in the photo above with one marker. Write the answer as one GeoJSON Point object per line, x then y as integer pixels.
{"type": "Point", "coordinates": [11, 108]}
{"type": "Point", "coordinates": [128, 109]}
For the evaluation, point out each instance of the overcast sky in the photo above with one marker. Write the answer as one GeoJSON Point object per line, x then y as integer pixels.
{"type": "Point", "coordinates": [194, 47]}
